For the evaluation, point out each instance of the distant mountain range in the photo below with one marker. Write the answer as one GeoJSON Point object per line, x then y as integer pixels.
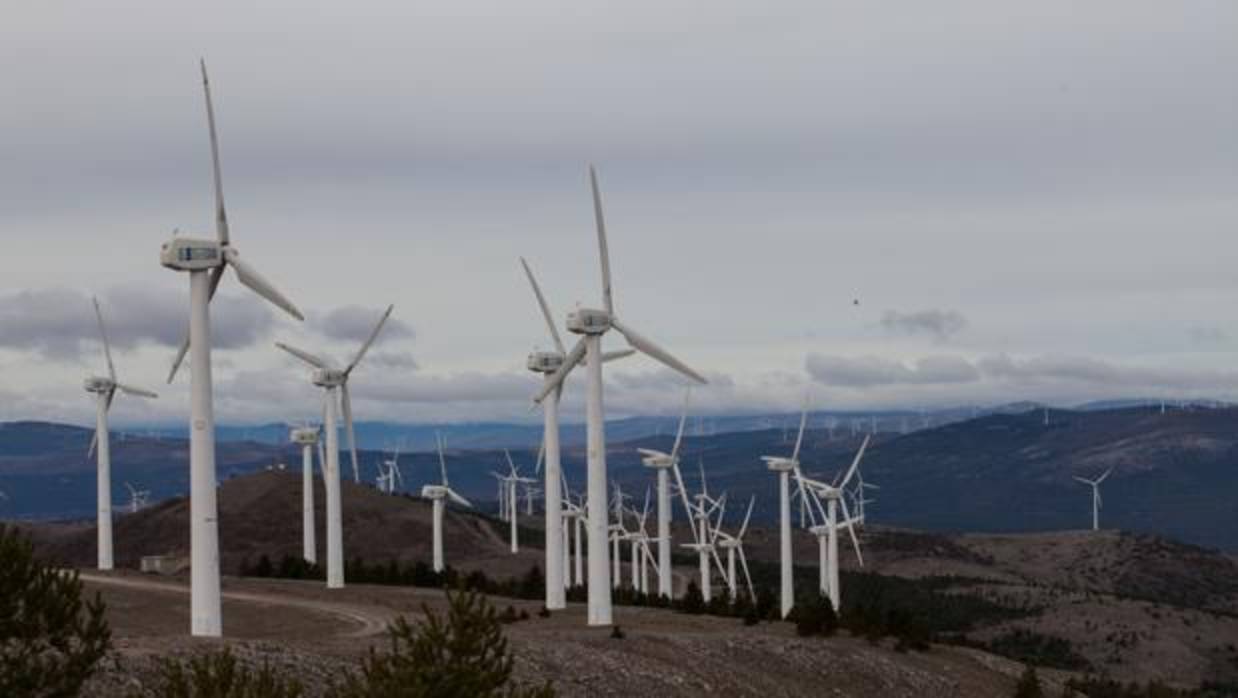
{"type": "Point", "coordinates": [1174, 473]}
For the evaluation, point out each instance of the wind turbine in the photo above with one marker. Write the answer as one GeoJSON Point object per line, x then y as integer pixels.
{"type": "Point", "coordinates": [592, 323]}
{"type": "Point", "coordinates": [784, 466]}
{"type": "Point", "coordinates": [832, 493]}
{"type": "Point", "coordinates": [436, 494]}
{"type": "Point", "coordinates": [547, 363]}
{"type": "Point", "coordinates": [390, 472]}
{"type": "Point", "coordinates": [734, 545]}
{"type": "Point", "coordinates": [513, 480]}
{"type": "Point", "coordinates": [663, 463]}
{"type": "Point", "coordinates": [334, 382]}
{"type": "Point", "coordinates": [705, 533]}
{"type": "Point", "coordinates": [1096, 503]}
{"type": "Point", "coordinates": [307, 439]}
{"type": "Point", "coordinates": [205, 260]}
{"type": "Point", "coordinates": [104, 390]}
{"type": "Point", "coordinates": [137, 498]}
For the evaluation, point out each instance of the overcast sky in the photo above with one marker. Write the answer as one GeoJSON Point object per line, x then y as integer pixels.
{"type": "Point", "coordinates": [1029, 201]}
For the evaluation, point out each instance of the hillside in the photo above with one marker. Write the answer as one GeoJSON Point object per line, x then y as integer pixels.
{"type": "Point", "coordinates": [1175, 474]}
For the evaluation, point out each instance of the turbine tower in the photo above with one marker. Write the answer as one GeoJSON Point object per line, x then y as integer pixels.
{"type": "Point", "coordinates": [436, 494]}
{"type": "Point", "coordinates": [307, 439]}
{"type": "Point", "coordinates": [705, 533]}
{"type": "Point", "coordinates": [1096, 503]}
{"type": "Point", "coordinates": [334, 382]}
{"type": "Point", "coordinates": [514, 480]}
{"type": "Point", "coordinates": [547, 363]}
{"type": "Point", "coordinates": [591, 324]}
{"type": "Point", "coordinates": [104, 390]}
{"type": "Point", "coordinates": [137, 498]}
{"type": "Point", "coordinates": [784, 466]}
{"type": "Point", "coordinates": [205, 260]}
{"type": "Point", "coordinates": [663, 464]}
{"type": "Point", "coordinates": [827, 532]}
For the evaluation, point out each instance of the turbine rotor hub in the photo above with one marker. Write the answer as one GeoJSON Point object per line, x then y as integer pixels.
{"type": "Point", "coordinates": [329, 377]}
{"type": "Point", "coordinates": [588, 321]}
{"type": "Point", "coordinates": [97, 384]}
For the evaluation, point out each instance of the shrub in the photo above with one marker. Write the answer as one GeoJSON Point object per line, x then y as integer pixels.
{"type": "Point", "coordinates": [815, 616]}
{"type": "Point", "coordinates": [462, 655]}
{"type": "Point", "coordinates": [50, 640]}
{"type": "Point", "coordinates": [1029, 685]}
{"type": "Point", "coordinates": [219, 675]}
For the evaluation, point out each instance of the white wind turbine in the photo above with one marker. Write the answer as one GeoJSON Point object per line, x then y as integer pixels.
{"type": "Point", "coordinates": [592, 324]}
{"type": "Point", "coordinates": [513, 480]}
{"type": "Point", "coordinates": [573, 515]}
{"type": "Point", "coordinates": [641, 556]}
{"type": "Point", "coordinates": [663, 463]}
{"type": "Point", "coordinates": [437, 494]}
{"type": "Point", "coordinates": [334, 382]}
{"type": "Point", "coordinates": [616, 533]}
{"type": "Point", "coordinates": [1096, 503]}
{"type": "Point", "coordinates": [389, 473]}
{"type": "Point", "coordinates": [734, 546]}
{"type": "Point", "coordinates": [784, 467]}
{"type": "Point", "coordinates": [827, 532]}
{"type": "Point", "coordinates": [137, 498]}
{"type": "Point", "coordinates": [104, 389]}
{"type": "Point", "coordinates": [205, 260]}
{"type": "Point", "coordinates": [547, 363]}
{"type": "Point", "coordinates": [307, 439]}
{"type": "Point", "coordinates": [705, 532]}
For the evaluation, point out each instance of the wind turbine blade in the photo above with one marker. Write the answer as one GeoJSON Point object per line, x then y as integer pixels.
{"type": "Point", "coordinates": [1083, 480]}
{"type": "Point", "coordinates": [687, 506]}
{"type": "Point", "coordinates": [221, 216]}
{"type": "Point", "coordinates": [541, 453]}
{"type": "Point", "coordinates": [541, 301]}
{"type": "Point", "coordinates": [256, 283]}
{"type": "Point", "coordinates": [743, 562]}
{"type": "Point", "coordinates": [511, 465]}
{"type": "Point", "coordinates": [856, 462]}
{"type": "Point", "coordinates": [556, 379]}
{"type": "Point", "coordinates": [1099, 502]}
{"type": "Point", "coordinates": [851, 530]}
{"type": "Point", "coordinates": [1102, 477]}
{"type": "Point", "coordinates": [322, 459]}
{"type": "Point", "coordinates": [217, 275]}
{"type": "Point", "coordinates": [442, 461]}
{"type": "Point", "coordinates": [704, 484]}
{"type": "Point", "coordinates": [311, 359]}
{"type": "Point", "coordinates": [799, 440]}
{"type": "Point", "coordinates": [744, 528]}
{"type": "Point", "coordinates": [131, 390]}
{"type": "Point", "coordinates": [608, 356]}
{"type": "Point", "coordinates": [366, 347]}
{"type": "Point", "coordinates": [107, 349]}
{"type": "Point", "coordinates": [458, 499]}
{"type": "Point", "coordinates": [94, 443]}
{"type": "Point", "coordinates": [603, 250]}
{"type": "Point", "coordinates": [683, 419]}
{"type": "Point", "coordinates": [649, 348]}
{"type": "Point", "coordinates": [346, 403]}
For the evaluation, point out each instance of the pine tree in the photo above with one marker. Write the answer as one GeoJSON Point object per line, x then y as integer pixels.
{"type": "Point", "coordinates": [462, 655]}
{"type": "Point", "coordinates": [50, 640]}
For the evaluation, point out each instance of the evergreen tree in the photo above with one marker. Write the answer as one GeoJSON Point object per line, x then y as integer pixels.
{"type": "Point", "coordinates": [1029, 684]}
{"type": "Point", "coordinates": [50, 640]}
{"type": "Point", "coordinates": [461, 656]}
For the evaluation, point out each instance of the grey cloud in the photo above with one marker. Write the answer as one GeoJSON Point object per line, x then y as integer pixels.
{"type": "Point", "coordinates": [399, 360]}
{"type": "Point", "coordinates": [864, 371]}
{"type": "Point", "coordinates": [354, 323]}
{"type": "Point", "coordinates": [1206, 335]}
{"type": "Point", "coordinates": [59, 323]}
{"type": "Point", "coordinates": [940, 324]}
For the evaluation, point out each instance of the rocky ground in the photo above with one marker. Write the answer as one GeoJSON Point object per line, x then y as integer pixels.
{"type": "Point", "coordinates": [301, 628]}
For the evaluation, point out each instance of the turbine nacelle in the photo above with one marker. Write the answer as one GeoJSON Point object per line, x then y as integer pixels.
{"type": "Point", "coordinates": [304, 436]}
{"type": "Point", "coordinates": [545, 361]}
{"type": "Point", "coordinates": [191, 254]}
{"type": "Point", "coordinates": [657, 459]}
{"type": "Point", "coordinates": [779, 464]}
{"type": "Point", "coordinates": [588, 321]}
{"type": "Point", "coordinates": [98, 384]}
{"type": "Point", "coordinates": [329, 377]}
{"type": "Point", "coordinates": [434, 492]}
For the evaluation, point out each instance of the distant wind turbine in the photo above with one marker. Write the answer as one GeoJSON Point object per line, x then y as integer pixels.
{"type": "Point", "coordinates": [1096, 503]}
{"type": "Point", "coordinates": [437, 494]}
{"type": "Point", "coordinates": [104, 390]}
